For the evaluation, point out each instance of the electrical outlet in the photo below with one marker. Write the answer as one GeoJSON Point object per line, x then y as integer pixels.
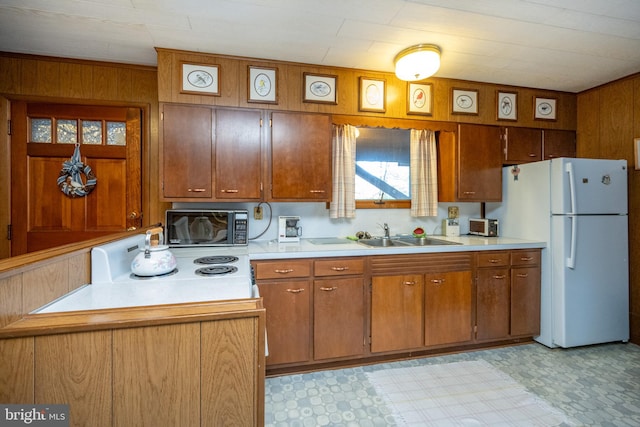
{"type": "Point", "coordinates": [453, 212]}
{"type": "Point", "coordinates": [257, 213]}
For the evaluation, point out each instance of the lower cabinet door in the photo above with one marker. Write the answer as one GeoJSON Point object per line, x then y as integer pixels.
{"type": "Point", "coordinates": [525, 301]}
{"type": "Point", "coordinates": [493, 303]}
{"type": "Point", "coordinates": [396, 312]}
{"type": "Point", "coordinates": [448, 308]}
{"type": "Point", "coordinates": [288, 307]}
{"type": "Point", "coordinates": [338, 324]}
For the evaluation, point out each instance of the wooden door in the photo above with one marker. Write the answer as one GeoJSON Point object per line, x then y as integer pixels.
{"type": "Point", "coordinates": [238, 172]}
{"type": "Point", "coordinates": [187, 153]}
{"type": "Point", "coordinates": [493, 303]}
{"type": "Point", "coordinates": [522, 145]}
{"type": "Point", "coordinates": [480, 163]}
{"type": "Point", "coordinates": [447, 307]}
{"type": "Point", "coordinates": [559, 143]}
{"type": "Point", "coordinates": [44, 137]}
{"type": "Point", "coordinates": [338, 318]}
{"type": "Point", "coordinates": [396, 312]}
{"type": "Point", "coordinates": [525, 301]}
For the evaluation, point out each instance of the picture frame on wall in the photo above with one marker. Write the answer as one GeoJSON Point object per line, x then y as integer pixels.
{"type": "Point", "coordinates": [262, 85]}
{"type": "Point", "coordinates": [200, 79]}
{"type": "Point", "coordinates": [320, 88]}
{"type": "Point", "coordinates": [372, 95]}
{"type": "Point", "coordinates": [507, 105]}
{"type": "Point", "coordinates": [544, 108]}
{"type": "Point", "coordinates": [464, 101]}
{"type": "Point", "coordinates": [420, 98]}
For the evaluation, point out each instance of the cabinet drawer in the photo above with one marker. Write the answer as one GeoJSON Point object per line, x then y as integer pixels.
{"type": "Point", "coordinates": [525, 258]}
{"type": "Point", "coordinates": [493, 259]}
{"type": "Point", "coordinates": [338, 267]}
{"type": "Point", "coordinates": [283, 269]}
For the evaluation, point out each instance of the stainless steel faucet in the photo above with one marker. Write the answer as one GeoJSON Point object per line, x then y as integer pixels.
{"type": "Point", "coordinates": [386, 230]}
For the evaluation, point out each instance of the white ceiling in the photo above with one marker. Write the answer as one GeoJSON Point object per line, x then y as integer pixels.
{"type": "Point", "coordinates": [567, 45]}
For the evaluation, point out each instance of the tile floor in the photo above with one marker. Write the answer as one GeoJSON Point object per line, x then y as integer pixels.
{"type": "Point", "coordinates": [594, 386]}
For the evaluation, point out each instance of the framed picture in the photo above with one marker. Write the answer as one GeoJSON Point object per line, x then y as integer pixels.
{"type": "Point", "coordinates": [636, 150]}
{"type": "Point", "coordinates": [372, 95]}
{"type": "Point", "coordinates": [464, 101]}
{"type": "Point", "coordinates": [200, 79]}
{"type": "Point", "coordinates": [262, 85]}
{"type": "Point", "coordinates": [320, 88]}
{"type": "Point", "coordinates": [507, 105]}
{"type": "Point", "coordinates": [544, 108]}
{"type": "Point", "coordinates": [420, 98]}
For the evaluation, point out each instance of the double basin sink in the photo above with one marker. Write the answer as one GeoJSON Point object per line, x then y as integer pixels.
{"type": "Point", "coordinates": [403, 241]}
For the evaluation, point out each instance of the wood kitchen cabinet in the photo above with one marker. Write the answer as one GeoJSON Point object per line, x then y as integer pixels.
{"type": "Point", "coordinates": [211, 154]}
{"type": "Point", "coordinates": [470, 164]}
{"type": "Point", "coordinates": [559, 143]}
{"type": "Point", "coordinates": [521, 145]}
{"type": "Point", "coordinates": [396, 312]}
{"type": "Point", "coordinates": [448, 308]}
{"type": "Point", "coordinates": [300, 157]}
{"type": "Point", "coordinates": [508, 294]}
{"type": "Point", "coordinates": [187, 152]}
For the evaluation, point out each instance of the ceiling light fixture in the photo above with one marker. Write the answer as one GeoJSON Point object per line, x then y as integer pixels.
{"type": "Point", "coordinates": [417, 62]}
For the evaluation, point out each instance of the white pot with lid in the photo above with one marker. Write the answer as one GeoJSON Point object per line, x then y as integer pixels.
{"type": "Point", "coordinates": [153, 259]}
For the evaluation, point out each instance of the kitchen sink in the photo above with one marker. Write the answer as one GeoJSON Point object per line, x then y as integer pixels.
{"type": "Point", "coordinates": [380, 242]}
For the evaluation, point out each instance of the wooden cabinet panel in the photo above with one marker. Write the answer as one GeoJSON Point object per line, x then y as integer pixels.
{"type": "Point", "coordinates": [493, 303]}
{"type": "Point", "coordinates": [525, 258]}
{"type": "Point", "coordinates": [396, 312]}
{"type": "Point", "coordinates": [230, 373]}
{"type": "Point", "coordinates": [338, 318]}
{"type": "Point", "coordinates": [559, 143]}
{"type": "Point", "coordinates": [525, 301]}
{"type": "Point", "coordinates": [288, 307]}
{"type": "Point", "coordinates": [16, 370]}
{"type": "Point", "coordinates": [282, 269]}
{"type": "Point", "coordinates": [157, 387]}
{"type": "Point", "coordinates": [187, 152]}
{"type": "Point", "coordinates": [448, 307]}
{"type": "Point", "coordinates": [493, 259]}
{"type": "Point", "coordinates": [238, 171]}
{"type": "Point", "coordinates": [301, 157]}
{"type": "Point", "coordinates": [470, 168]}
{"type": "Point", "coordinates": [522, 145]}
{"type": "Point", "coordinates": [340, 266]}
{"type": "Point", "coordinates": [76, 368]}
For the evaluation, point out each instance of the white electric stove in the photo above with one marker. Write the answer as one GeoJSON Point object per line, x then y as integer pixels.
{"type": "Point", "coordinates": [202, 274]}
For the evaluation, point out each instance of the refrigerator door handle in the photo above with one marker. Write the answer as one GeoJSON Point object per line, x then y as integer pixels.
{"type": "Point", "coordinates": [572, 186]}
{"type": "Point", "coordinates": [571, 261]}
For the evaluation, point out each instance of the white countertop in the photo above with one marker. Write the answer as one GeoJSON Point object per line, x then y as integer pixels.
{"type": "Point", "coordinates": [306, 248]}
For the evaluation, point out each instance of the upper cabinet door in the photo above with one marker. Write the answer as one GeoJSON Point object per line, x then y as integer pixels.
{"type": "Point", "coordinates": [238, 169]}
{"type": "Point", "coordinates": [301, 157]}
{"type": "Point", "coordinates": [187, 152]}
{"type": "Point", "coordinates": [522, 145]}
{"type": "Point", "coordinates": [559, 143]}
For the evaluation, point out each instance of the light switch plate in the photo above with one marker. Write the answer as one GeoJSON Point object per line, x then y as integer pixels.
{"type": "Point", "coordinates": [453, 212]}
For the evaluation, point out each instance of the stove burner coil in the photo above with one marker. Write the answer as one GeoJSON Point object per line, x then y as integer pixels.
{"type": "Point", "coordinates": [159, 276]}
{"type": "Point", "coordinates": [216, 259]}
{"type": "Point", "coordinates": [216, 270]}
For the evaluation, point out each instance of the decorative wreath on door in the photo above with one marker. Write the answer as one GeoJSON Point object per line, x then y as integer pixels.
{"type": "Point", "coordinates": [70, 180]}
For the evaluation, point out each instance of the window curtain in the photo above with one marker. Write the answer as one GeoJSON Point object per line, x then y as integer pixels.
{"type": "Point", "coordinates": [343, 204]}
{"type": "Point", "coordinates": [424, 177]}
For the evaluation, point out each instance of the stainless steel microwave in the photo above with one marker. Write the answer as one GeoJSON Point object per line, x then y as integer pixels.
{"type": "Point", "coordinates": [206, 227]}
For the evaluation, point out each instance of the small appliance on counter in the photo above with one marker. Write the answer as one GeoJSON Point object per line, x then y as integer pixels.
{"type": "Point", "coordinates": [206, 227]}
{"type": "Point", "coordinates": [451, 227]}
{"type": "Point", "coordinates": [483, 227]}
{"type": "Point", "coordinates": [289, 229]}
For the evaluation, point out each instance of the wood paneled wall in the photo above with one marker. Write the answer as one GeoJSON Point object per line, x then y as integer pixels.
{"type": "Point", "coordinates": [608, 122]}
{"type": "Point", "coordinates": [48, 79]}
{"type": "Point", "coordinates": [233, 73]}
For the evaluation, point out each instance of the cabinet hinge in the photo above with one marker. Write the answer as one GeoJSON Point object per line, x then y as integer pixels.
{"type": "Point", "coordinates": [9, 232]}
{"type": "Point", "coordinates": [475, 331]}
{"type": "Point", "coordinates": [260, 121]}
{"type": "Point", "coordinates": [270, 123]}
{"type": "Point", "coordinates": [9, 127]}
{"type": "Point", "coordinates": [162, 116]}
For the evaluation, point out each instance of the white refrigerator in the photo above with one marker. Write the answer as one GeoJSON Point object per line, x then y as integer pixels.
{"type": "Point", "coordinates": [579, 207]}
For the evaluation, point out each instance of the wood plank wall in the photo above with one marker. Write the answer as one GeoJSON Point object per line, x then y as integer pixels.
{"type": "Point", "coordinates": [608, 121]}
{"type": "Point", "coordinates": [234, 81]}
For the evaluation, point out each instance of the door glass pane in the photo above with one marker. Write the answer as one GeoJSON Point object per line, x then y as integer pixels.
{"type": "Point", "coordinates": [67, 131]}
{"type": "Point", "coordinates": [116, 133]}
{"type": "Point", "coordinates": [41, 130]}
{"type": "Point", "coordinates": [91, 132]}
